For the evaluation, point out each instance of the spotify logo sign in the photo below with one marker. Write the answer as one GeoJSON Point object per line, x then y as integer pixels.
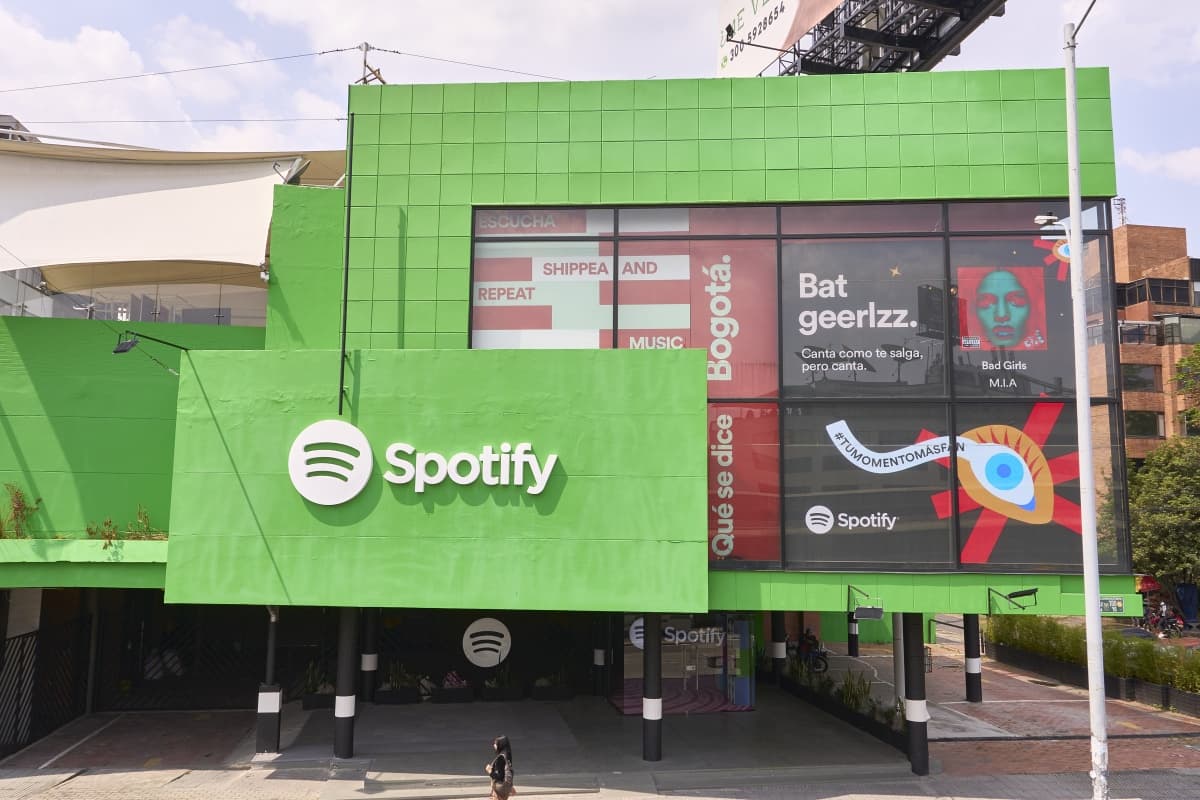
{"type": "Point", "coordinates": [330, 462]}
{"type": "Point", "coordinates": [819, 519]}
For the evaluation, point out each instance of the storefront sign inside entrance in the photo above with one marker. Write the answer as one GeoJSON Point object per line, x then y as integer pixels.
{"type": "Point", "coordinates": [674, 635]}
{"type": "Point", "coordinates": [330, 463]}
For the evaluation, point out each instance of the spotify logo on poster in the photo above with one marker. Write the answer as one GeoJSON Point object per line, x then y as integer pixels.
{"type": "Point", "coordinates": [637, 633]}
{"type": "Point", "coordinates": [486, 642]}
{"type": "Point", "coordinates": [330, 462]}
{"type": "Point", "coordinates": [819, 519]}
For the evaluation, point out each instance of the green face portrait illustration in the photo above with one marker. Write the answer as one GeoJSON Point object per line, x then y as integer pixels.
{"type": "Point", "coordinates": [1002, 306]}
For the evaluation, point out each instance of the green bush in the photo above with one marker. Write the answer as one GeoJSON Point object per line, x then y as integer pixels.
{"type": "Point", "coordinates": [1144, 659]}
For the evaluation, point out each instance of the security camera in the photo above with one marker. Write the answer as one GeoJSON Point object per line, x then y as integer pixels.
{"type": "Point", "coordinates": [1046, 219]}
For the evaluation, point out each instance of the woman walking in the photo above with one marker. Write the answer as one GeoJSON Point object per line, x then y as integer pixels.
{"type": "Point", "coordinates": [500, 769]}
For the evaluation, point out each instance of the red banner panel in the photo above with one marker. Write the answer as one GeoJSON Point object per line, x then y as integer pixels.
{"type": "Point", "coordinates": [743, 482]}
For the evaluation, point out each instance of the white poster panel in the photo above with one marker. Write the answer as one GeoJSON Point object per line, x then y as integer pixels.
{"type": "Point", "coordinates": [771, 23]}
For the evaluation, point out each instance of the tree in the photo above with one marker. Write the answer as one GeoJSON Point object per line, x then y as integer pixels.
{"type": "Point", "coordinates": [1187, 378]}
{"type": "Point", "coordinates": [1164, 512]}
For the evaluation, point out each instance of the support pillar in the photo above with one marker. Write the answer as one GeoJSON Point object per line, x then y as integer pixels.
{"type": "Point", "coordinates": [898, 657]}
{"type": "Point", "coordinates": [343, 704]}
{"type": "Point", "coordinates": [599, 654]}
{"type": "Point", "coordinates": [916, 710]}
{"type": "Point", "coordinates": [652, 688]}
{"type": "Point", "coordinates": [851, 635]}
{"type": "Point", "coordinates": [270, 695]}
{"type": "Point", "coordinates": [370, 655]}
{"type": "Point", "coordinates": [778, 644]}
{"type": "Point", "coordinates": [974, 663]}
{"type": "Point", "coordinates": [93, 602]}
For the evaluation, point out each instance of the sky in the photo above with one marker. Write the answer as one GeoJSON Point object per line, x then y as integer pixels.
{"type": "Point", "coordinates": [1154, 60]}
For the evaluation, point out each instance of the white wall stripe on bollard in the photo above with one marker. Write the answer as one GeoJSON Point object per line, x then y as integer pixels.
{"type": "Point", "coordinates": [974, 665]}
{"type": "Point", "coordinates": [598, 657]}
{"type": "Point", "coordinates": [269, 702]}
{"type": "Point", "coordinates": [651, 708]}
{"type": "Point", "coordinates": [854, 628]}
{"type": "Point", "coordinates": [370, 662]}
{"type": "Point", "coordinates": [343, 706]}
{"type": "Point", "coordinates": [916, 710]}
{"type": "Point", "coordinates": [778, 649]}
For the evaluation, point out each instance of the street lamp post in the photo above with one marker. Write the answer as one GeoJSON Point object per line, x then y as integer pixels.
{"type": "Point", "coordinates": [1083, 420]}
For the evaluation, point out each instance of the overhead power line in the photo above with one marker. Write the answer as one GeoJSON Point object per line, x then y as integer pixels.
{"type": "Point", "coordinates": [173, 71]}
{"type": "Point", "coordinates": [161, 73]}
{"type": "Point", "coordinates": [469, 64]}
{"type": "Point", "coordinates": [181, 121]}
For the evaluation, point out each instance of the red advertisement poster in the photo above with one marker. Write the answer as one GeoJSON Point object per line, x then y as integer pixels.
{"type": "Point", "coordinates": [715, 295]}
{"type": "Point", "coordinates": [1002, 308]}
{"type": "Point", "coordinates": [743, 482]}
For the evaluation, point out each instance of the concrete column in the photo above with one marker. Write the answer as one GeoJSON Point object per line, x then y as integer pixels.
{"type": "Point", "coordinates": [974, 663]}
{"type": "Point", "coordinates": [93, 604]}
{"type": "Point", "coordinates": [599, 654]}
{"type": "Point", "coordinates": [370, 655]}
{"type": "Point", "coordinates": [898, 656]}
{"type": "Point", "coordinates": [344, 706]}
{"type": "Point", "coordinates": [270, 695]}
{"type": "Point", "coordinates": [652, 688]}
{"type": "Point", "coordinates": [851, 635]}
{"type": "Point", "coordinates": [916, 710]}
{"type": "Point", "coordinates": [778, 644]}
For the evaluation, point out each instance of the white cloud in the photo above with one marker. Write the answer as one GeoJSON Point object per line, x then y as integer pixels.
{"type": "Point", "coordinates": [613, 39]}
{"type": "Point", "coordinates": [1178, 165]}
{"type": "Point", "coordinates": [183, 42]}
{"type": "Point", "coordinates": [28, 58]}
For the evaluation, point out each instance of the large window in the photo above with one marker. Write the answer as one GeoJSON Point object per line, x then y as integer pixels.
{"type": "Point", "coordinates": [1144, 425]}
{"type": "Point", "coordinates": [889, 384]}
{"type": "Point", "coordinates": [230, 296]}
{"type": "Point", "coordinates": [1141, 378]}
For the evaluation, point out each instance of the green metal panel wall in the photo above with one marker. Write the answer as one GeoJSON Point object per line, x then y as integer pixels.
{"type": "Point", "coordinates": [422, 155]}
{"type": "Point", "coordinates": [621, 525]}
{"type": "Point", "coordinates": [962, 593]}
{"type": "Point", "coordinates": [89, 432]}
{"type": "Point", "coordinates": [308, 226]}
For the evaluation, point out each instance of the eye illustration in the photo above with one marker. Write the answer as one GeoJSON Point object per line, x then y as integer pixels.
{"type": "Point", "coordinates": [1005, 471]}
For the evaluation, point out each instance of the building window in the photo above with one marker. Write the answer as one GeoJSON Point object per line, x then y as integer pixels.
{"type": "Point", "coordinates": [1141, 378]}
{"type": "Point", "coordinates": [1170, 292]}
{"type": "Point", "coordinates": [1144, 425]}
{"type": "Point", "coordinates": [1181, 330]}
{"type": "Point", "coordinates": [1188, 427]}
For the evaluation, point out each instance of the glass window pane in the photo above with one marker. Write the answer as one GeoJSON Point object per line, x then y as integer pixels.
{"type": "Point", "coordinates": [1140, 378]}
{"type": "Point", "coordinates": [862, 218]}
{"type": "Point", "coordinates": [1020, 215]}
{"type": "Point", "coordinates": [1143, 424]}
{"type": "Point", "coordinates": [699, 221]}
{"type": "Point", "coordinates": [714, 294]}
{"type": "Point", "coordinates": [542, 295]}
{"type": "Point", "coordinates": [865, 487]}
{"type": "Point", "coordinates": [1019, 497]}
{"type": "Point", "coordinates": [743, 482]}
{"type": "Point", "coordinates": [543, 222]}
{"type": "Point", "coordinates": [193, 303]}
{"type": "Point", "coordinates": [863, 317]}
{"type": "Point", "coordinates": [1012, 316]}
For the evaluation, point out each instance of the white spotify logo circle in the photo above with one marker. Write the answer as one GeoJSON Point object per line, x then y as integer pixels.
{"type": "Point", "coordinates": [330, 462]}
{"type": "Point", "coordinates": [637, 633]}
{"type": "Point", "coordinates": [486, 642]}
{"type": "Point", "coordinates": [819, 519]}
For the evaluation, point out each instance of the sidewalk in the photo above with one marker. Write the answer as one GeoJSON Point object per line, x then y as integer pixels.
{"type": "Point", "coordinates": [1029, 738]}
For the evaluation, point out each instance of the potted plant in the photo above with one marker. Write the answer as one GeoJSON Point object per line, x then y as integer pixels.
{"type": "Point", "coordinates": [398, 686]}
{"type": "Point", "coordinates": [454, 689]}
{"type": "Point", "coordinates": [318, 691]}
{"type": "Point", "coordinates": [553, 687]}
{"type": "Point", "coordinates": [501, 686]}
